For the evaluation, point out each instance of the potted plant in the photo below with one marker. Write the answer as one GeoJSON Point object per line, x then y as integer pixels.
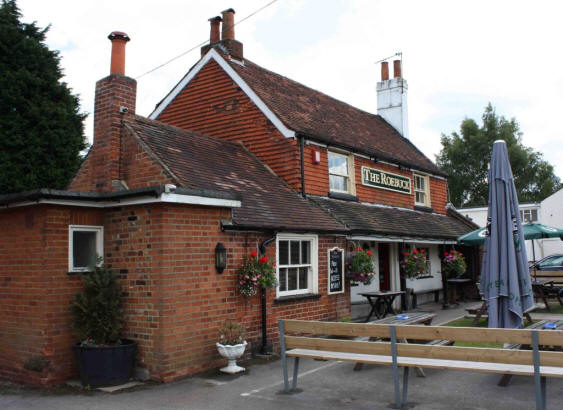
{"type": "Point", "coordinates": [255, 273]}
{"type": "Point", "coordinates": [414, 263]}
{"type": "Point", "coordinates": [454, 264]}
{"type": "Point", "coordinates": [231, 345]}
{"type": "Point", "coordinates": [104, 359]}
{"type": "Point", "coordinates": [360, 267]}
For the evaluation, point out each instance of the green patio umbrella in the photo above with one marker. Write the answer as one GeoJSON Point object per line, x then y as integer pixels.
{"type": "Point", "coordinates": [531, 231]}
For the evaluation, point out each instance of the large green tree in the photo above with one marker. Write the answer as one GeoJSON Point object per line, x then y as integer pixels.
{"type": "Point", "coordinates": [41, 128]}
{"type": "Point", "coordinates": [465, 158]}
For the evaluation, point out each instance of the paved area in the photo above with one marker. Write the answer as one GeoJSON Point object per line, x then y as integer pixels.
{"type": "Point", "coordinates": [324, 385]}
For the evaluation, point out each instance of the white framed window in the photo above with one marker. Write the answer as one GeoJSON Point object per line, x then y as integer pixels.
{"type": "Point", "coordinates": [421, 190]}
{"type": "Point", "coordinates": [296, 264]}
{"type": "Point", "coordinates": [528, 215]}
{"type": "Point", "coordinates": [341, 172]}
{"type": "Point", "coordinates": [85, 246]}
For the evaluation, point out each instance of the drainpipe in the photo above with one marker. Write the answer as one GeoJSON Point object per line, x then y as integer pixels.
{"type": "Point", "coordinates": [302, 155]}
{"type": "Point", "coordinates": [265, 349]}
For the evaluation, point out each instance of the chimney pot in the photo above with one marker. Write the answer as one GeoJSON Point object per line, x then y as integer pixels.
{"type": "Point", "coordinates": [384, 71]}
{"type": "Point", "coordinates": [118, 41]}
{"type": "Point", "coordinates": [214, 36]}
{"type": "Point", "coordinates": [228, 29]}
{"type": "Point", "coordinates": [397, 69]}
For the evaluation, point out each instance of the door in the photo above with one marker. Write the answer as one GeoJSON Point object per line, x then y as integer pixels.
{"type": "Point", "coordinates": [384, 266]}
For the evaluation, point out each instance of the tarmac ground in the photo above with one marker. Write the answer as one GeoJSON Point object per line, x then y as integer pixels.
{"type": "Point", "coordinates": [322, 385]}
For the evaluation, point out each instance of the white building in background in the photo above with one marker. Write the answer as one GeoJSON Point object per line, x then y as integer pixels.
{"type": "Point", "coordinates": [548, 212]}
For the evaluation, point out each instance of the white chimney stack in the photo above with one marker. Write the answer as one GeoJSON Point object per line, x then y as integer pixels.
{"type": "Point", "coordinates": [392, 98]}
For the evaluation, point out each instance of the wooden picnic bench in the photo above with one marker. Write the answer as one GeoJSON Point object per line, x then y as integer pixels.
{"type": "Point", "coordinates": [549, 275]}
{"type": "Point", "coordinates": [544, 289]}
{"type": "Point", "coordinates": [307, 339]}
{"type": "Point", "coordinates": [480, 311]}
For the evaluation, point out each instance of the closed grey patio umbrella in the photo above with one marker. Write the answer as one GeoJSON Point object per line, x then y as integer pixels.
{"type": "Point", "coordinates": [505, 278]}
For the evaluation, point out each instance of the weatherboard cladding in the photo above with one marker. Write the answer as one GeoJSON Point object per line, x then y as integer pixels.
{"type": "Point", "coordinates": [368, 219]}
{"type": "Point", "coordinates": [203, 162]}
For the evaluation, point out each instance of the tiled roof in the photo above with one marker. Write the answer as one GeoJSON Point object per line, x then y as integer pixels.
{"type": "Point", "coordinates": [368, 219]}
{"type": "Point", "coordinates": [326, 119]}
{"type": "Point", "coordinates": [203, 162]}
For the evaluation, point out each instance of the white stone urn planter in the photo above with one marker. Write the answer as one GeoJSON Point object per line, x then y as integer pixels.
{"type": "Point", "coordinates": [232, 353]}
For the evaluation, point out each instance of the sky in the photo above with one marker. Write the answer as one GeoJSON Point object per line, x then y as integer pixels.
{"type": "Point", "coordinates": [457, 55]}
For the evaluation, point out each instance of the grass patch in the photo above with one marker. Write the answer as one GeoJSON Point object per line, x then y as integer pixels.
{"type": "Point", "coordinates": [556, 309]}
{"type": "Point", "coordinates": [468, 322]}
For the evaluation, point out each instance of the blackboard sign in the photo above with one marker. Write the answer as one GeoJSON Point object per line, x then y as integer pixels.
{"type": "Point", "coordinates": [335, 270]}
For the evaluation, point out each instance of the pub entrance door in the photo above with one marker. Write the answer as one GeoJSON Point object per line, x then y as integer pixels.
{"type": "Point", "coordinates": [383, 250]}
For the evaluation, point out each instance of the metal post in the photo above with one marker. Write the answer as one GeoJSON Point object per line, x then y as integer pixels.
{"type": "Point", "coordinates": [539, 383]}
{"type": "Point", "coordinates": [295, 372]}
{"type": "Point", "coordinates": [283, 357]}
{"type": "Point", "coordinates": [405, 384]}
{"type": "Point", "coordinates": [395, 367]}
{"type": "Point", "coordinates": [264, 348]}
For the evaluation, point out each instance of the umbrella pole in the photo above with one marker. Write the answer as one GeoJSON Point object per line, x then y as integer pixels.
{"type": "Point", "coordinates": [534, 256]}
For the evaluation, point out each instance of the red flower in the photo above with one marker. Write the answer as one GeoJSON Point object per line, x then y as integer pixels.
{"type": "Point", "coordinates": [452, 251]}
{"type": "Point", "coordinates": [263, 260]}
{"type": "Point", "coordinates": [422, 250]}
{"type": "Point", "coordinates": [369, 252]}
{"type": "Point", "coordinates": [445, 253]}
{"type": "Point", "coordinates": [359, 249]}
{"type": "Point", "coordinates": [405, 253]}
{"type": "Point", "coordinates": [415, 252]}
{"type": "Point", "coordinates": [253, 254]}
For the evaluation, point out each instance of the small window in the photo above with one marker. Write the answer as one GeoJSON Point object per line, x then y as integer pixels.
{"type": "Point", "coordinates": [421, 190]}
{"type": "Point", "coordinates": [297, 264]}
{"type": "Point", "coordinates": [528, 215]}
{"type": "Point", "coordinates": [426, 252]}
{"type": "Point", "coordinates": [340, 169]}
{"type": "Point", "coordinates": [85, 247]}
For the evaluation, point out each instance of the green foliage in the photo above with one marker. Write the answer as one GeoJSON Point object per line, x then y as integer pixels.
{"type": "Point", "coordinates": [360, 267]}
{"type": "Point", "coordinates": [465, 158]}
{"type": "Point", "coordinates": [231, 333]}
{"type": "Point", "coordinates": [41, 129]}
{"type": "Point", "coordinates": [255, 273]}
{"type": "Point", "coordinates": [414, 263]}
{"type": "Point", "coordinates": [96, 311]}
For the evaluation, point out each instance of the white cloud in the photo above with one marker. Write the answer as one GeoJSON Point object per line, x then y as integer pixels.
{"type": "Point", "coordinates": [457, 56]}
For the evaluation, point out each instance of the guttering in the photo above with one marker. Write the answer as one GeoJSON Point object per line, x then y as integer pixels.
{"type": "Point", "coordinates": [401, 239]}
{"type": "Point", "coordinates": [231, 227]}
{"type": "Point", "coordinates": [302, 155]}
{"type": "Point", "coordinates": [158, 194]}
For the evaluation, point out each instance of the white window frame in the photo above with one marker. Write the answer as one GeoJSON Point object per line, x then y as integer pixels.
{"type": "Point", "coordinates": [98, 230]}
{"type": "Point", "coordinates": [313, 279]}
{"type": "Point", "coordinates": [350, 176]}
{"type": "Point", "coordinates": [528, 211]}
{"type": "Point", "coordinates": [426, 190]}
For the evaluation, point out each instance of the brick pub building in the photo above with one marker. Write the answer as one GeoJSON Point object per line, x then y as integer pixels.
{"type": "Point", "coordinates": [234, 154]}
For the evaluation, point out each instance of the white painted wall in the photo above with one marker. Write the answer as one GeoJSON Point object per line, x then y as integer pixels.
{"type": "Point", "coordinates": [392, 104]}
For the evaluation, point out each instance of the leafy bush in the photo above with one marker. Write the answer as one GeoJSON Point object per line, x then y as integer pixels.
{"type": "Point", "coordinates": [360, 267]}
{"type": "Point", "coordinates": [97, 316]}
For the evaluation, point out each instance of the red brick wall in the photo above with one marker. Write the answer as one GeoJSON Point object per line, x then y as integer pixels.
{"type": "Point", "coordinates": [214, 105]}
{"type": "Point", "coordinates": [35, 291]}
{"type": "Point", "coordinates": [100, 170]}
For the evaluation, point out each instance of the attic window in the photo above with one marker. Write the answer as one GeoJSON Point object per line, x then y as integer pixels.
{"type": "Point", "coordinates": [340, 167]}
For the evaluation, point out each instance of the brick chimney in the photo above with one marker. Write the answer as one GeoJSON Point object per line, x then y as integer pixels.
{"type": "Point", "coordinates": [227, 43]}
{"type": "Point", "coordinates": [392, 98]}
{"type": "Point", "coordinates": [115, 101]}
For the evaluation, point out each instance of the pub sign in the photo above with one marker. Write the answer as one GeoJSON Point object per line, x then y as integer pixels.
{"type": "Point", "coordinates": [335, 270]}
{"type": "Point", "coordinates": [386, 180]}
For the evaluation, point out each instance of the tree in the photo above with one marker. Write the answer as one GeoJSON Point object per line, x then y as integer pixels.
{"type": "Point", "coordinates": [465, 158]}
{"type": "Point", "coordinates": [41, 128]}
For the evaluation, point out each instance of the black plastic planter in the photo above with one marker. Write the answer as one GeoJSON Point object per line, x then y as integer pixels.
{"type": "Point", "coordinates": [106, 366]}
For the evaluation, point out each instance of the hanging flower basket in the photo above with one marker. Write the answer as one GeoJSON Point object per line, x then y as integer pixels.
{"type": "Point", "coordinates": [360, 267]}
{"type": "Point", "coordinates": [454, 264]}
{"type": "Point", "coordinates": [414, 263]}
{"type": "Point", "coordinates": [255, 273]}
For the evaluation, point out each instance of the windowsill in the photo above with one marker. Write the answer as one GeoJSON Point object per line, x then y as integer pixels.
{"type": "Point", "coordinates": [78, 272]}
{"type": "Point", "coordinates": [343, 196]}
{"type": "Point", "coordinates": [293, 298]}
{"type": "Point", "coordinates": [424, 277]}
{"type": "Point", "coordinates": [423, 208]}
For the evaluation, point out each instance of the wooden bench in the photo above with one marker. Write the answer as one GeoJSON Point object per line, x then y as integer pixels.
{"type": "Point", "coordinates": [480, 311]}
{"type": "Point", "coordinates": [546, 289]}
{"type": "Point", "coordinates": [307, 339]}
{"type": "Point", "coordinates": [415, 293]}
{"type": "Point", "coordinates": [551, 275]}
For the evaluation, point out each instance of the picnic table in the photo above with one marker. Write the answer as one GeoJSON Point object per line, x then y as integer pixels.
{"type": "Point", "coordinates": [505, 379]}
{"type": "Point", "coordinates": [458, 285]}
{"type": "Point", "coordinates": [381, 303]}
{"type": "Point", "coordinates": [415, 318]}
{"type": "Point", "coordinates": [544, 289]}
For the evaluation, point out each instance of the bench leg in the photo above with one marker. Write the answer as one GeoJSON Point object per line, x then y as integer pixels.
{"type": "Point", "coordinates": [295, 372]}
{"type": "Point", "coordinates": [405, 385]}
{"type": "Point", "coordinates": [504, 380]}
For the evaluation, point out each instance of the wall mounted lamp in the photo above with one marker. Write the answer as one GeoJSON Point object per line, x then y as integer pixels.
{"type": "Point", "coordinates": [220, 257]}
